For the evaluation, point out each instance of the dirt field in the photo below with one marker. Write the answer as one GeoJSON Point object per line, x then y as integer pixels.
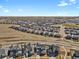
{"type": "Point", "coordinates": [8, 35]}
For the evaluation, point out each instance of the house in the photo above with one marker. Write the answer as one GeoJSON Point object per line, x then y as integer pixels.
{"type": "Point", "coordinates": [45, 33]}
{"type": "Point", "coordinates": [53, 51]}
{"type": "Point", "coordinates": [14, 52]}
{"type": "Point", "coordinates": [50, 34]}
{"type": "Point", "coordinates": [36, 32]}
{"type": "Point", "coordinates": [40, 32]}
{"type": "Point", "coordinates": [75, 55]}
{"type": "Point", "coordinates": [27, 51]}
{"type": "Point", "coordinates": [2, 53]}
{"type": "Point", "coordinates": [57, 35]}
{"type": "Point", "coordinates": [72, 37]}
{"type": "Point", "coordinates": [68, 36]}
{"type": "Point", "coordinates": [39, 49]}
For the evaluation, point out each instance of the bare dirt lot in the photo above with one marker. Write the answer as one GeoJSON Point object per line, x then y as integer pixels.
{"type": "Point", "coordinates": [8, 35]}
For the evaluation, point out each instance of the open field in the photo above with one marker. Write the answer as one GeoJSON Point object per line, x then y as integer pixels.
{"type": "Point", "coordinates": [10, 35]}
{"type": "Point", "coordinates": [71, 25]}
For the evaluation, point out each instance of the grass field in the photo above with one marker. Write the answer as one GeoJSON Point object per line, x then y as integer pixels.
{"type": "Point", "coordinates": [71, 25]}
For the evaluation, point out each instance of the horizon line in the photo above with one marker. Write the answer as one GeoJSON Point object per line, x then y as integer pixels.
{"type": "Point", "coordinates": [39, 16]}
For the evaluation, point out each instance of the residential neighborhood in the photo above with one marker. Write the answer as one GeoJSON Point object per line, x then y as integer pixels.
{"type": "Point", "coordinates": [39, 38]}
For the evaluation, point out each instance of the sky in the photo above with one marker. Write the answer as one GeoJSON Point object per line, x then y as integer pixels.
{"type": "Point", "coordinates": [39, 7]}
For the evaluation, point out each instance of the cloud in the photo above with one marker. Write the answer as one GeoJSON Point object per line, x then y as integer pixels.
{"type": "Point", "coordinates": [6, 10]}
{"type": "Point", "coordinates": [1, 7]}
{"type": "Point", "coordinates": [67, 2]}
{"type": "Point", "coordinates": [72, 1]}
{"type": "Point", "coordinates": [62, 3]}
{"type": "Point", "coordinates": [77, 7]}
{"type": "Point", "coordinates": [20, 10]}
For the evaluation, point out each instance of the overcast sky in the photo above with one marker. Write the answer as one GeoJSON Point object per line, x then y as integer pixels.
{"type": "Point", "coordinates": [39, 7]}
